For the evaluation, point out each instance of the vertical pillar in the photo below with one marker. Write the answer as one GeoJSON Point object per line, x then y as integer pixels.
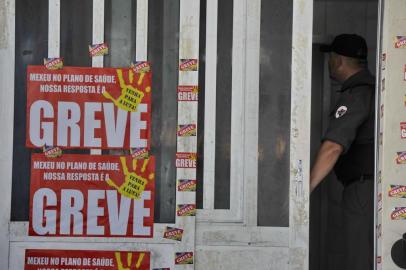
{"type": "Point", "coordinates": [98, 38]}
{"type": "Point", "coordinates": [302, 33]}
{"type": "Point", "coordinates": [391, 154]}
{"type": "Point", "coordinates": [187, 115]}
{"type": "Point", "coordinates": [7, 50]}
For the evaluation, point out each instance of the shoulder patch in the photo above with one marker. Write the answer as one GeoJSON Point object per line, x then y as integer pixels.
{"type": "Point", "coordinates": [341, 111]}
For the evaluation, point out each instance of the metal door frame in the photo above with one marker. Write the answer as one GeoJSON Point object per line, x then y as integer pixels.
{"type": "Point", "coordinates": [7, 50]}
{"type": "Point", "coordinates": [13, 235]}
{"type": "Point", "coordinates": [237, 229]}
{"type": "Point", "coordinates": [243, 215]}
{"type": "Point", "coordinates": [390, 109]}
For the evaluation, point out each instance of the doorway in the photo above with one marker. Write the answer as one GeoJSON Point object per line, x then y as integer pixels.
{"type": "Point", "coordinates": [332, 17]}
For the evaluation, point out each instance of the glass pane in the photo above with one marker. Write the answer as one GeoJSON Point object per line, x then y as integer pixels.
{"type": "Point", "coordinates": [274, 113]}
{"type": "Point", "coordinates": [31, 48]}
{"type": "Point", "coordinates": [120, 32]}
{"type": "Point", "coordinates": [31, 39]}
{"type": "Point", "coordinates": [76, 36]}
{"type": "Point", "coordinates": [163, 51]}
{"type": "Point", "coordinates": [200, 120]}
{"type": "Point", "coordinates": [76, 32]}
{"type": "Point", "coordinates": [223, 104]}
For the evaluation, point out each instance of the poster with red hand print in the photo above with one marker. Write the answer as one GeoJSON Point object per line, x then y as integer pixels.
{"type": "Point", "coordinates": [92, 196]}
{"type": "Point", "coordinates": [36, 259]}
{"type": "Point", "coordinates": [79, 107]}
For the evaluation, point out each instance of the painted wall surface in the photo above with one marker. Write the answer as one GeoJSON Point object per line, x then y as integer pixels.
{"type": "Point", "coordinates": [7, 49]}
{"type": "Point", "coordinates": [392, 164]}
{"type": "Point", "coordinates": [225, 257]}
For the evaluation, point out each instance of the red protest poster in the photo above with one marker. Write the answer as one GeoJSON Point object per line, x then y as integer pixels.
{"type": "Point", "coordinates": [91, 196]}
{"type": "Point", "coordinates": [78, 107]}
{"type": "Point", "coordinates": [36, 259]}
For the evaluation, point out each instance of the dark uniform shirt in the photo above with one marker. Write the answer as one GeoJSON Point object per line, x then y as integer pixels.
{"type": "Point", "coordinates": [352, 123]}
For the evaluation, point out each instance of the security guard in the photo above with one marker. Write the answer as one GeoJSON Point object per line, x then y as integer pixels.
{"type": "Point", "coordinates": [348, 146]}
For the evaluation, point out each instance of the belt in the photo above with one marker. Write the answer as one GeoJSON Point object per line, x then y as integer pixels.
{"type": "Point", "coordinates": [362, 178]}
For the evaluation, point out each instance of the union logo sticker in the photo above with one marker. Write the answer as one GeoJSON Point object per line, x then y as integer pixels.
{"type": "Point", "coordinates": [53, 63]}
{"type": "Point", "coordinates": [184, 258]}
{"type": "Point", "coordinates": [186, 185]}
{"type": "Point", "coordinates": [141, 66]}
{"type": "Point", "coordinates": [397, 191]}
{"type": "Point", "coordinates": [186, 210]}
{"type": "Point", "coordinates": [173, 234]}
{"type": "Point", "coordinates": [188, 65]}
{"type": "Point", "coordinates": [139, 153]}
{"type": "Point", "coordinates": [187, 130]}
{"type": "Point", "coordinates": [52, 152]}
{"type": "Point", "coordinates": [401, 157]}
{"type": "Point", "coordinates": [400, 42]}
{"type": "Point", "coordinates": [398, 213]}
{"type": "Point", "coordinates": [98, 49]}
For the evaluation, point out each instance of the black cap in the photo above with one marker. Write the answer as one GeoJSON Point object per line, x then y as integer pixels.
{"type": "Point", "coordinates": [350, 45]}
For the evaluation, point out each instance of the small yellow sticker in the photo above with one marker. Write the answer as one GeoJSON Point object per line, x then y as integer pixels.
{"type": "Point", "coordinates": [120, 265]}
{"type": "Point", "coordinates": [134, 184]}
{"type": "Point", "coordinates": [130, 96]}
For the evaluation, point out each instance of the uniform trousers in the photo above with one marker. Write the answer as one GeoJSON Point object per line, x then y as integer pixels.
{"type": "Point", "coordinates": [358, 208]}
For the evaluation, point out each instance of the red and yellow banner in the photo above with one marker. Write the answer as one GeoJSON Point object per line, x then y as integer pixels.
{"type": "Point", "coordinates": [36, 259]}
{"type": "Point", "coordinates": [77, 107]}
{"type": "Point", "coordinates": [91, 195]}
